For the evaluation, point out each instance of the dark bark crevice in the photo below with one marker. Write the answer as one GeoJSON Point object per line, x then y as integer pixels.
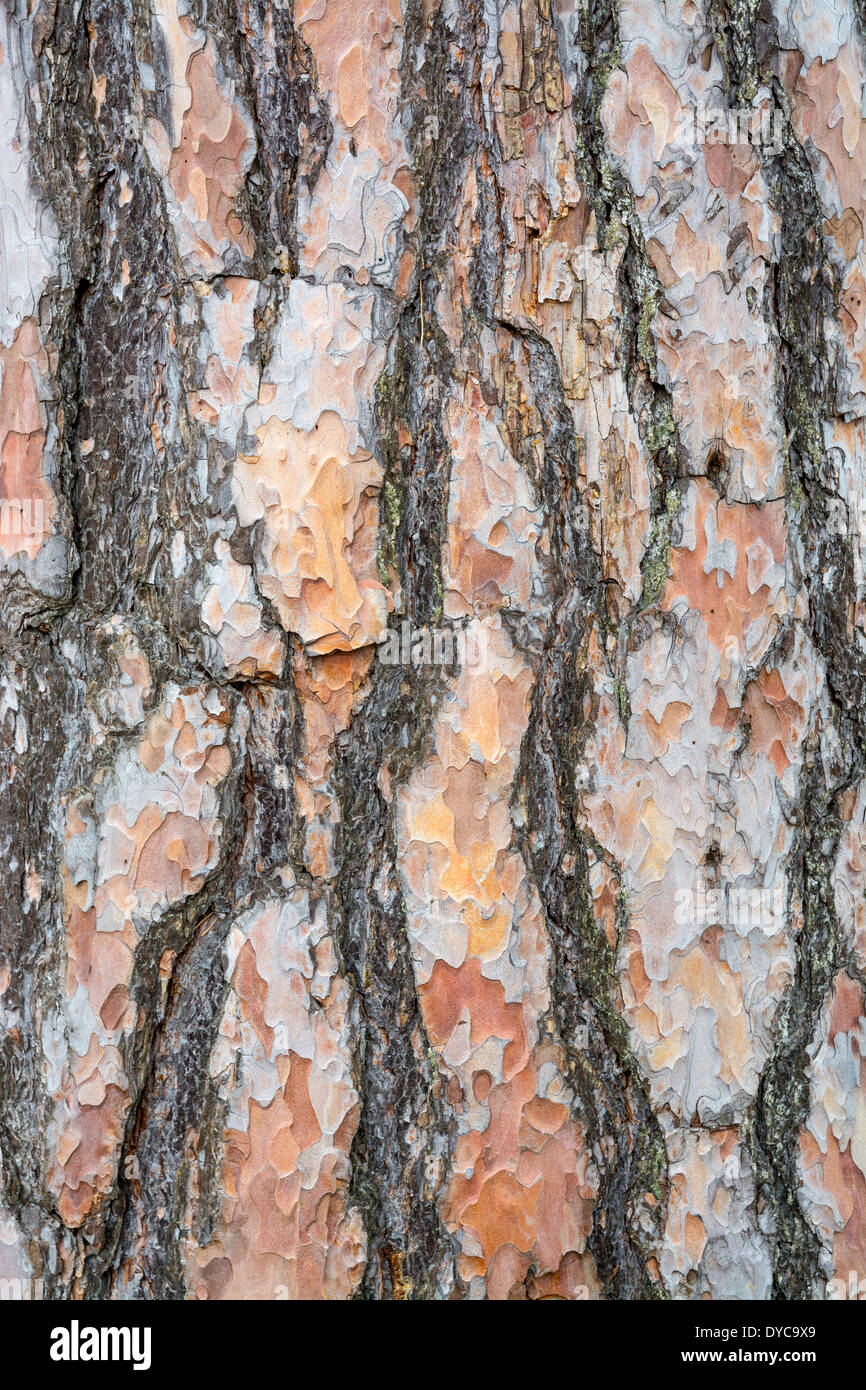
{"type": "Point", "coordinates": [801, 294]}
{"type": "Point", "coordinates": [623, 1134]}
{"type": "Point", "coordinates": [401, 1153]}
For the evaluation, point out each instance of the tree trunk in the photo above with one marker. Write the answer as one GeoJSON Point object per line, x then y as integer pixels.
{"type": "Point", "coordinates": [433, 637]}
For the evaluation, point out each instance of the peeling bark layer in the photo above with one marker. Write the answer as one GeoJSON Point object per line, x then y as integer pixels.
{"type": "Point", "coordinates": [433, 649]}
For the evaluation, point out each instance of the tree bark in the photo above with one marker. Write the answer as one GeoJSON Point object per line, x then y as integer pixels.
{"type": "Point", "coordinates": [433, 649]}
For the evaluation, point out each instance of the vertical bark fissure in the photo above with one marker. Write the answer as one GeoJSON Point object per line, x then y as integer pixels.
{"type": "Point", "coordinates": [641, 294]}
{"type": "Point", "coordinates": [623, 1133]}
{"type": "Point", "coordinates": [802, 294]}
{"type": "Point", "coordinates": [115, 374]}
{"type": "Point", "coordinates": [34, 783]}
{"type": "Point", "coordinates": [397, 1181]}
{"type": "Point", "coordinates": [151, 1163]}
{"type": "Point", "coordinates": [261, 831]}
{"type": "Point", "coordinates": [611, 1094]}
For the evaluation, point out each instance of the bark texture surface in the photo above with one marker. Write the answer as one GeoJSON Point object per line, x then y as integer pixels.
{"type": "Point", "coordinates": [433, 648]}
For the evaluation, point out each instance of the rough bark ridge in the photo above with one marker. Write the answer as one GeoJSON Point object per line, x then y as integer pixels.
{"type": "Point", "coordinates": [433, 649]}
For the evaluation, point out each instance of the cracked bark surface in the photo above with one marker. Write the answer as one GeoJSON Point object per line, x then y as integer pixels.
{"type": "Point", "coordinates": [433, 649]}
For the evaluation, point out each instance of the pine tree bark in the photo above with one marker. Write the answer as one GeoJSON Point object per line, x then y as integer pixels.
{"type": "Point", "coordinates": [433, 649]}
